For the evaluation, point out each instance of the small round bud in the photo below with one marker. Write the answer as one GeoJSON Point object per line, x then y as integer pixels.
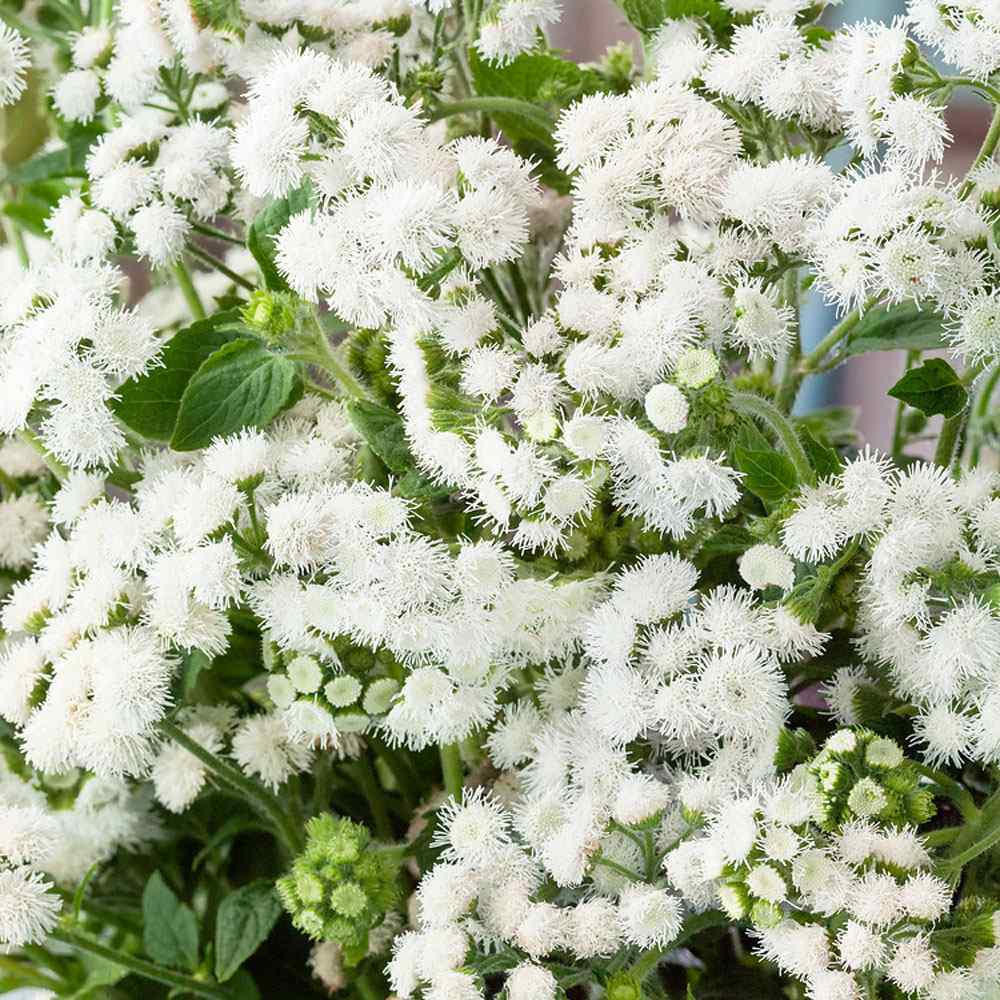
{"type": "Point", "coordinates": [280, 690]}
{"type": "Point", "coordinates": [342, 691]}
{"type": "Point", "coordinates": [305, 674]}
{"type": "Point", "coordinates": [696, 367]}
{"type": "Point", "coordinates": [667, 408]}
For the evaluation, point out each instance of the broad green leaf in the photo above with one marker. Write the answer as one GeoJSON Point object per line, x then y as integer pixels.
{"type": "Point", "coordinates": [729, 540]}
{"type": "Point", "coordinates": [242, 924]}
{"type": "Point", "coordinates": [169, 927]}
{"type": "Point", "coordinates": [149, 404]}
{"type": "Point", "coordinates": [416, 486]}
{"type": "Point", "coordinates": [932, 388]}
{"type": "Point", "coordinates": [266, 226]}
{"type": "Point", "coordinates": [648, 15]}
{"type": "Point", "coordinates": [899, 328]}
{"type": "Point", "coordinates": [541, 78]}
{"type": "Point", "coordinates": [767, 473]}
{"type": "Point", "coordinates": [242, 384]}
{"type": "Point", "coordinates": [382, 429]}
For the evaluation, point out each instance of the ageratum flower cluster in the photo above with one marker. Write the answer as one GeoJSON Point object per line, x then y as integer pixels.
{"type": "Point", "coordinates": [420, 576]}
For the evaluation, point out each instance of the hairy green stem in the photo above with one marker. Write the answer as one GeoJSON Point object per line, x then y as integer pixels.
{"type": "Point", "coordinates": [267, 804]}
{"type": "Point", "coordinates": [28, 436]}
{"type": "Point", "coordinates": [987, 149]}
{"type": "Point", "coordinates": [981, 410]}
{"type": "Point", "coordinates": [148, 970]}
{"type": "Point", "coordinates": [324, 356]}
{"type": "Point", "coordinates": [813, 360]}
{"type": "Point", "coordinates": [752, 405]}
{"type": "Point", "coordinates": [216, 234]}
{"type": "Point", "coordinates": [190, 293]}
{"type": "Point", "coordinates": [452, 770]}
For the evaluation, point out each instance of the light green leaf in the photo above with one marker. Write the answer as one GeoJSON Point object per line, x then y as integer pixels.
{"type": "Point", "coordinates": [648, 15]}
{"type": "Point", "coordinates": [169, 928]}
{"type": "Point", "coordinates": [242, 924]}
{"type": "Point", "coordinates": [932, 388]}
{"type": "Point", "coordinates": [242, 384]}
{"type": "Point", "coordinates": [149, 404]}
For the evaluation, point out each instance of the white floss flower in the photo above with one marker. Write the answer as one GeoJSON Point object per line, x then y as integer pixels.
{"type": "Point", "coordinates": [14, 62]}
{"type": "Point", "coordinates": [28, 911]}
{"type": "Point", "coordinates": [650, 917]}
{"type": "Point", "coordinates": [263, 747]}
{"type": "Point", "coordinates": [160, 232]}
{"type": "Point", "coordinates": [763, 566]}
{"type": "Point", "coordinates": [75, 95]}
{"type": "Point", "coordinates": [667, 408]}
{"type": "Point", "coordinates": [528, 981]}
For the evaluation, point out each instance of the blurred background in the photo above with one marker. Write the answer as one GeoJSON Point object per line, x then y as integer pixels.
{"type": "Point", "coordinates": [589, 26]}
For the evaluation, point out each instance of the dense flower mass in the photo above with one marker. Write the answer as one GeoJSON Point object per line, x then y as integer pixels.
{"type": "Point", "coordinates": [419, 576]}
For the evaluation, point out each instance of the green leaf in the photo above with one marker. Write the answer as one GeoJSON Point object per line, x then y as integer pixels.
{"type": "Point", "coordinates": [266, 226]}
{"type": "Point", "coordinates": [795, 746]}
{"type": "Point", "coordinates": [768, 474]}
{"type": "Point", "coordinates": [648, 15]}
{"type": "Point", "coordinates": [242, 924]}
{"type": "Point", "coordinates": [822, 457]}
{"type": "Point", "coordinates": [382, 429]}
{"type": "Point", "coordinates": [729, 540]}
{"type": "Point", "coordinates": [242, 384]}
{"type": "Point", "coordinates": [898, 328]}
{"type": "Point", "coordinates": [541, 78]}
{"type": "Point", "coordinates": [149, 404]}
{"type": "Point", "coordinates": [416, 486]}
{"type": "Point", "coordinates": [169, 928]}
{"type": "Point", "coordinates": [66, 162]}
{"type": "Point", "coordinates": [932, 388]}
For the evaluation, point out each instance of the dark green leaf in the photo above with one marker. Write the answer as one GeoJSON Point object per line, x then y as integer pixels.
{"type": "Point", "coordinates": [169, 928]}
{"type": "Point", "coordinates": [242, 924]}
{"type": "Point", "coordinates": [899, 328]}
{"type": "Point", "coordinates": [149, 404]}
{"type": "Point", "coordinates": [382, 429]}
{"type": "Point", "coordinates": [416, 486]}
{"type": "Point", "coordinates": [795, 746]}
{"type": "Point", "coordinates": [242, 384]}
{"type": "Point", "coordinates": [266, 226]}
{"type": "Point", "coordinates": [932, 388]}
{"type": "Point", "coordinates": [767, 473]}
{"type": "Point", "coordinates": [729, 540]}
{"type": "Point", "coordinates": [822, 457]}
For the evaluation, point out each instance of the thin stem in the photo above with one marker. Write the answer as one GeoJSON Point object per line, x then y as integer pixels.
{"type": "Point", "coordinates": [267, 804]}
{"type": "Point", "coordinates": [206, 258]}
{"type": "Point", "coordinates": [951, 789]}
{"type": "Point", "coordinates": [981, 411]}
{"type": "Point", "coordinates": [216, 234]}
{"type": "Point", "coordinates": [452, 770]}
{"type": "Point", "coordinates": [898, 432]}
{"type": "Point", "coordinates": [812, 361]}
{"type": "Point", "coordinates": [791, 379]}
{"type": "Point", "coordinates": [373, 794]}
{"type": "Point", "coordinates": [148, 970]}
{"type": "Point", "coordinates": [987, 149]}
{"type": "Point", "coordinates": [188, 290]}
{"type": "Point", "coordinates": [752, 405]}
{"type": "Point", "coordinates": [28, 436]}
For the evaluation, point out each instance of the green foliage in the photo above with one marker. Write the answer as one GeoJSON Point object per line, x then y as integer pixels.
{"type": "Point", "coordinates": [932, 388]}
{"type": "Point", "coordinates": [266, 226]}
{"type": "Point", "coordinates": [768, 474]}
{"type": "Point", "coordinates": [342, 885]}
{"type": "Point", "coordinates": [382, 429]}
{"type": "Point", "coordinates": [648, 15]}
{"type": "Point", "coordinates": [169, 927]}
{"type": "Point", "coordinates": [242, 384]}
{"type": "Point", "coordinates": [150, 403]}
{"type": "Point", "coordinates": [897, 328]}
{"type": "Point", "coordinates": [795, 746]}
{"type": "Point", "coordinates": [244, 921]}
